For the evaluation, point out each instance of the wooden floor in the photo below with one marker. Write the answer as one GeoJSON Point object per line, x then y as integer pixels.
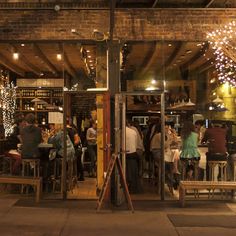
{"type": "Point", "coordinates": [87, 190]}
{"type": "Point", "coordinates": [84, 190]}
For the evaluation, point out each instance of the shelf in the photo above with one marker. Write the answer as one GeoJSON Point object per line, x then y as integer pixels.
{"type": "Point", "coordinates": [49, 95]}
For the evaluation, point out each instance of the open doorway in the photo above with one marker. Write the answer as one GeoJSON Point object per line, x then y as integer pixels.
{"type": "Point", "coordinates": [93, 123]}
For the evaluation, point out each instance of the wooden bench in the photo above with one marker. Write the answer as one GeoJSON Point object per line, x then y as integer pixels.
{"type": "Point", "coordinates": [201, 185]}
{"type": "Point", "coordinates": [36, 182]}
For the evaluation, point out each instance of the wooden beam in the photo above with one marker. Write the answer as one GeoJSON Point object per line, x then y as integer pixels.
{"type": "Point", "coordinates": [8, 64]}
{"type": "Point", "coordinates": [205, 66]}
{"type": "Point", "coordinates": [173, 54]}
{"type": "Point", "coordinates": [149, 58]}
{"type": "Point", "coordinates": [208, 3]}
{"type": "Point", "coordinates": [23, 59]}
{"type": "Point", "coordinates": [70, 69]}
{"type": "Point", "coordinates": [195, 57]}
{"type": "Point", "coordinates": [42, 56]}
{"type": "Point", "coordinates": [155, 3]}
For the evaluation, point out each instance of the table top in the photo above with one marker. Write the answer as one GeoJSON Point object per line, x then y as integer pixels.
{"type": "Point", "coordinates": [45, 145]}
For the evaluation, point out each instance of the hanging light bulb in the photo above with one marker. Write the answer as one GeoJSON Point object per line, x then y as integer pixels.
{"type": "Point", "coordinates": [15, 55]}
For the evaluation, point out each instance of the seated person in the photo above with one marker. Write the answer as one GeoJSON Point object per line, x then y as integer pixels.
{"type": "Point", "coordinates": [31, 137]}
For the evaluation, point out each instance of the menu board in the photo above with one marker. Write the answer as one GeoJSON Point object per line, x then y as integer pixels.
{"type": "Point", "coordinates": [55, 118]}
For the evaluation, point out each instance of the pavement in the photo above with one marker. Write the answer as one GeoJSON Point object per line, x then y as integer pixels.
{"type": "Point", "coordinates": [24, 217]}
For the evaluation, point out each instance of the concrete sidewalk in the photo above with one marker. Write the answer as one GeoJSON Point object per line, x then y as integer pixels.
{"type": "Point", "coordinates": [65, 218]}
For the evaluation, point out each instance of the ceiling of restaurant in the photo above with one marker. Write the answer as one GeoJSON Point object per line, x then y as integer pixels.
{"type": "Point", "coordinates": [39, 59]}
{"type": "Point", "coordinates": [48, 59]}
{"type": "Point", "coordinates": [152, 58]}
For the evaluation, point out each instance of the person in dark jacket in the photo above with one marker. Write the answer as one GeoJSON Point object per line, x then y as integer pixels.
{"type": "Point", "coordinates": [31, 137]}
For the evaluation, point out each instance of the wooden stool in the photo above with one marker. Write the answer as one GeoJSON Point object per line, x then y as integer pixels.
{"type": "Point", "coordinates": [222, 168]}
{"type": "Point", "coordinates": [234, 171]}
{"type": "Point", "coordinates": [27, 165]}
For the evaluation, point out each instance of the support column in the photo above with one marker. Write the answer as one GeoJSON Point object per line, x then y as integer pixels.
{"type": "Point", "coordinates": [101, 75]}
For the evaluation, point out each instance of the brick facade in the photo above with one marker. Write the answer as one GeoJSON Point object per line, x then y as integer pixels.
{"type": "Point", "coordinates": [130, 24]}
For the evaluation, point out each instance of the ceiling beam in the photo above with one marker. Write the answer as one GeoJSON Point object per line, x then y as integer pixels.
{"type": "Point", "coordinates": [70, 69]}
{"type": "Point", "coordinates": [208, 3]}
{"type": "Point", "coordinates": [149, 58]}
{"type": "Point", "coordinates": [173, 55]}
{"type": "Point", "coordinates": [42, 56]}
{"type": "Point", "coordinates": [9, 65]}
{"type": "Point", "coordinates": [23, 59]}
{"type": "Point", "coordinates": [205, 66]}
{"type": "Point", "coordinates": [154, 3]}
{"type": "Point", "coordinates": [195, 57]}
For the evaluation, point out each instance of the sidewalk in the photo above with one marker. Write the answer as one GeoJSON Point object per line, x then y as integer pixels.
{"type": "Point", "coordinates": [65, 218]}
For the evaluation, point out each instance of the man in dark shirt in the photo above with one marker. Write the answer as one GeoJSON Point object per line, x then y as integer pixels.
{"type": "Point", "coordinates": [216, 138]}
{"type": "Point", "coordinates": [31, 137]}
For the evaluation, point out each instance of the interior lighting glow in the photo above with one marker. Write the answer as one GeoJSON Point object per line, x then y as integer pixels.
{"type": "Point", "coordinates": [222, 41]}
{"type": "Point", "coordinates": [59, 57]}
{"type": "Point", "coordinates": [15, 55]}
{"type": "Point", "coordinates": [153, 81]}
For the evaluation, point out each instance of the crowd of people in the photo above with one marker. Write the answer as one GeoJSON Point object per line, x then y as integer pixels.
{"type": "Point", "coordinates": [181, 152]}
{"type": "Point", "coordinates": [27, 136]}
{"type": "Point", "coordinates": [143, 148]}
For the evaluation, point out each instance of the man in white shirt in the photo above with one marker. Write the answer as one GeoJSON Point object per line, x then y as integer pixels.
{"type": "Point", "coordinates": [131, 160]}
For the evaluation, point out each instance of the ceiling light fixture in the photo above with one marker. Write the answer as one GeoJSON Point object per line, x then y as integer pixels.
{"type": "Point", "coordinates": [217, 100]}
{"type": "Point", "coordinates": [189, 103]}
{"type": "Point", "coordinates": [59, 57]}
{"type": "Point", "coordinates": [15, 55]}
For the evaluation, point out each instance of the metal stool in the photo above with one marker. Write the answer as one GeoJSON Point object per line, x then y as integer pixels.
{"type": "Point", "coordinates": [27, 166]}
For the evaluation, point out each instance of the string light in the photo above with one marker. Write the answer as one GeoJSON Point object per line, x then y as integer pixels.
{"type": "Point", "coordinates": [8, 105]}
{"type": "Point", "coordinates": [221, 41]}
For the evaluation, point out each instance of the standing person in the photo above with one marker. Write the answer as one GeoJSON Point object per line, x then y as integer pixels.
{"type": "Point", "coordinates": [131, 159]}
{"type": "Point", "coordinates": [189, 152]}
{"type": "Point", "coordinates": [216, 138]}
{"type": "Point", "coordinates": [91, 137]}
{"type": "Point", "coordinates": [200, 129]}
{"type": "Point", "coordinates": [75, 139]}
{"type": "Point", "coordinates": [31, 137]}
{"type": "Point", "coordinates": [140, 147]}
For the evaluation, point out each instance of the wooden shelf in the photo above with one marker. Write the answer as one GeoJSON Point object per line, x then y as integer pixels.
{"type": "Point", "coordinates": [39, 113]}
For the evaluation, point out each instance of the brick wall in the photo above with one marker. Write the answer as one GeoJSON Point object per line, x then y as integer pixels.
{"type": "Point", "coordinates": [130, 24]}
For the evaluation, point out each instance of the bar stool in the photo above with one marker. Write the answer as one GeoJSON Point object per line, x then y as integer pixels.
{"type": "Point", "coordinates": [222, 169]}
{"type": "Point", "coordinates": [27, 166]}
{"type": "Point", "coordinates": [56, 176]}
{"type": "Point", "coordinates": [234, 173]}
